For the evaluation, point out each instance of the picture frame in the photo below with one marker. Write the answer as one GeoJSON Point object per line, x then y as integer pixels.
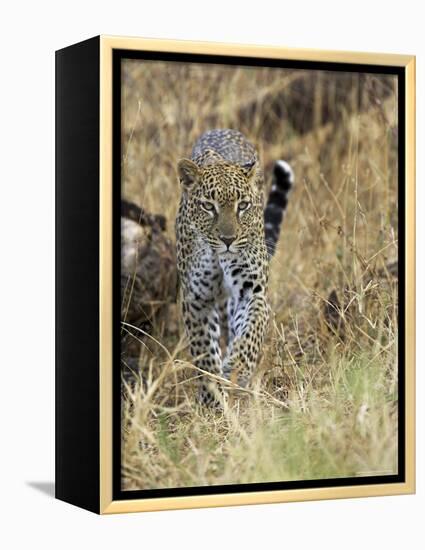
{"type": "Point", "coordinates": [89, 152]}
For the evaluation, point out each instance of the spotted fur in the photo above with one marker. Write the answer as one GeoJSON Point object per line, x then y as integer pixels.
{"type": "Point", "coordinates": [222, 256]}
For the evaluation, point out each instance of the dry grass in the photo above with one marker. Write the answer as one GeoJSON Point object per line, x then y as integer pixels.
{"type": "Point", "coordinates": [324, 402]}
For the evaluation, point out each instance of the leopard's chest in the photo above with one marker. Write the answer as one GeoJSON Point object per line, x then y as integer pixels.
{"type": "Point", "coordinates": [202, 275]}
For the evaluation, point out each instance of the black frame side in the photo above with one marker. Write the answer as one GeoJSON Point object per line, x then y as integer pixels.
{"type": "Point", "coordinates": [77, 274]}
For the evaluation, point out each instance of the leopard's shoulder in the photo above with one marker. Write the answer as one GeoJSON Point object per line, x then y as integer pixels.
{"type": "Point", "coordinates": [223, 145]}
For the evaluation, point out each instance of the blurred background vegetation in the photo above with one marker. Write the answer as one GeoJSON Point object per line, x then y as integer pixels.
{"type": "Point", "coordinates": [324, 402]}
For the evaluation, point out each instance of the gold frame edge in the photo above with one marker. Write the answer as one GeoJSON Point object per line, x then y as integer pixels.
{"type": "Point", "coordinates": [410, 272]}
{"type": "Point", "coordinates": [105, 276]}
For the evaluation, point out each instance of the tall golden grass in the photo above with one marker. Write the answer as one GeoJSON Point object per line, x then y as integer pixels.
{"type": "Point", "coordinates": [324, 400]}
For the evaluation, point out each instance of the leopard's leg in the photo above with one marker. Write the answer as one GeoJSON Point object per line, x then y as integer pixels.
{"type": "Point", "coordinates": [225, 311]}
{"type": "Point", "coordinates": [200, 292]}
{"type": "Point", "coordinates": [246, 278]}
{"type": "Point", "coordinates": [249, 322]}
{"type": "Point", "coordinates": [231, 307]}
{"type": "Point", "coordinates": [202, 325]}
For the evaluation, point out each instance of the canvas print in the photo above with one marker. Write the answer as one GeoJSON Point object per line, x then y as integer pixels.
{"type": "Point", "coordinates": [259, 316]}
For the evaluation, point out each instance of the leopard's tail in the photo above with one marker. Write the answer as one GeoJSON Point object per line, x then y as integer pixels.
{"type": "Point", "coordinates": [283, 180]}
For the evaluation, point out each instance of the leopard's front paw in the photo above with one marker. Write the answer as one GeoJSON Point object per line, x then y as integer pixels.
{"type": "Point", "coordinates": [212, 395]}
{"type": "Point", "coordinates": [237, 371]}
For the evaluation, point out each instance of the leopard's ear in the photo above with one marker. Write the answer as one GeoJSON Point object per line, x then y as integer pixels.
{"type": "Point", "coordinates": [250, 169]}
{"type": "Point", "coordinates": [188, 173]}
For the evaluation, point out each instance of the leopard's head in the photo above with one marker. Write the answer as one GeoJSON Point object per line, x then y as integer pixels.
{"type": "Point", "coordinates": [224, 203]}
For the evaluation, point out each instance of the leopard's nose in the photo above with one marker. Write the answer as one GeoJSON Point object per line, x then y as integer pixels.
{"type": "Point", "coordinates": [227, 239]}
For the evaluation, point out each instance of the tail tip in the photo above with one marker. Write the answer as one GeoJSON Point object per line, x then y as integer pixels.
{"type": "Point", "coordinates": [284, 174]}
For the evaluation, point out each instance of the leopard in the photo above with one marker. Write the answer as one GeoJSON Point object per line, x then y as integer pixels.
{"type": "Point", "coordinates": [226, 236]}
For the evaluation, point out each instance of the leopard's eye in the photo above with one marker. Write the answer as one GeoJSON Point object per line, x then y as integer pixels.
{"type": "Point", "coordinates": [208, 206]}
{"type": "Point", "coordinates": [243, 205]}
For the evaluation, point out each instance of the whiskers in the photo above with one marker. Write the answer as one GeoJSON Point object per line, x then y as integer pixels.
{"type": "Point", "coordinates": [240, 244]}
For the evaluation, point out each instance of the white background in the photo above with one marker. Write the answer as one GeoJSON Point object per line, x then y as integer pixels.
{"type": "Point", "coordinates": [29, 34]}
